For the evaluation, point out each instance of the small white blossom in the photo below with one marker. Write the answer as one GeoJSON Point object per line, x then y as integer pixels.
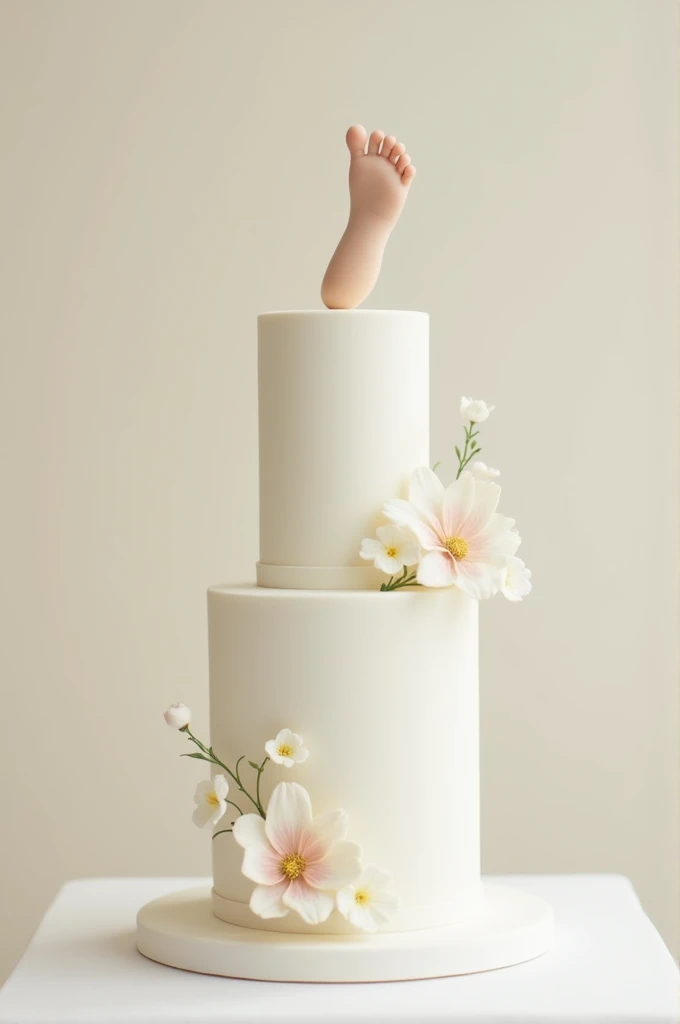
{"type": "Point", "coordinates": [288, 749]}
{"type": "Point", "coordinates": [395, 547]}
{"type": "Point", "coordinates": [515, 582]}
{"type": "Point", "coordinates": [177, 716]}
{"type": "Point", "coordinates": [475, 410]}
{"type": "Point", "coordinates": [211, 801]}
{"type": "Point", "coordinates": [481, 471]}
{"type": "Point", "coordinates": [368, 903]}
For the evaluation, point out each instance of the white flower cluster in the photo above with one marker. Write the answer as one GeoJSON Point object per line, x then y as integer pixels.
{"type": "Point", "coordinates": [304, 863]}
{"type": "Point", "coordinates": [452, 536]}
{"type": "Point", "coordinates": [298, 862]}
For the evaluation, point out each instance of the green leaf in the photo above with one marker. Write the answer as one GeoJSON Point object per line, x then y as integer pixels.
{"type": "Point", "coordinates": [436, 466]}
{"type": "Point", "coordinates": [458, 453]}
{"type": "Point", "coordinates": [253, 765]}
{"type": "Point", "coordinates": [201, 757]}
{"type": "Point", "coordinates": [474, 445]}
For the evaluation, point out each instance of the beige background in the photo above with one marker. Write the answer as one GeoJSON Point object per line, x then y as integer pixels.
{"type": "Point", "coordinates": [171, 168]}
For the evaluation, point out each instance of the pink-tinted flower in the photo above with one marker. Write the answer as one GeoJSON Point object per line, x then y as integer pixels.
{"type": "Point", "coordinates": [466, 543]}
{"type": "Point", "coordinates": [298, 862]}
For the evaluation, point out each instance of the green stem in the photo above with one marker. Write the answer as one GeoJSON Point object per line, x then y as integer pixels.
{"type": "Point", "coordinates": [222, 832]}
{"type": "Point", "coordinates": [468, 453]}
{"type": "Point", "coordinates": [232, 804]}
{"type": "Point", "coordinates": [402, 581]}
{"type": "Point", "coordinates": [210, 754]}
{"type": "Point", "coordinates": [259, 776]}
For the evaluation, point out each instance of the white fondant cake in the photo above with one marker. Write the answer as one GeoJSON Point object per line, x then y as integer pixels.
{"type": "Point", "coordinates": [370, 824]}
{"type": "Point", "coordinates": [383, 687]}
{"type": "Point", "coordinates": [335, 438]}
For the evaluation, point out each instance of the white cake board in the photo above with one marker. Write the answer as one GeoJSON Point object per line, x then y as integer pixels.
{"type": "Point", "coordinates": [180, 930]}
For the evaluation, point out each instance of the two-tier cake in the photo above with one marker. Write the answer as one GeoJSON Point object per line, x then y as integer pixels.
{"type": "Point", "coordinates": [344, 726]}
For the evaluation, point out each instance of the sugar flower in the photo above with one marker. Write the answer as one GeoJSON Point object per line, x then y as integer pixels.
{"type": "Point", "coordinates": [177, 716]}
{"type": "Point", "coordinates": [475, 410]}
{"type": "Point", "coordinates": [515, 580]}
{"type": "Point", "coordinates": [368, 903]}
{"type": "Point", "coordinates": [481, 471]}
{"type": "Point", "coordinates": [394, 548]}
{"type": "Point", "coordinates": [211, 801]}
{"type": "Point", "coordinates": [298, 862]}
{"type": "Point", "coordinates": [287, 749]}
{"type": "Point", "coordinates": [466, 542]}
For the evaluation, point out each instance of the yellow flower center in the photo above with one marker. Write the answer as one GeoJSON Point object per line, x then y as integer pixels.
{"type": "Point", "coordinates": [391, 552]}
{"type": "Point", "coordinates": [457, 546]}
{"type": "Point", "coordinates": [285, 751]}
{"type": "Point", "coordinates": [292, 865]}
{"type": "Point", "coordinates": [361, 897]}
{"type": "Point", "coordinates": [213, 799]}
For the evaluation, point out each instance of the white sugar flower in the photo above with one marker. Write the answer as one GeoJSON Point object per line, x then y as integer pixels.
{"type": "Point", "coordinates": [287, 749]}
{"type": "Point", "coordinates": [515, 582]}
{"type": "Point", "coordinates": [394, 548]}
{"type": "Point", "coordinates": [211, 801]}
{"type": "Point", "coordinates": [475, 410]}
{"type": "Point", "coordinates": [466, 542]}
{"type": "Point", "coordinates": [298, 862]}
{"type": "Point", "coordinates": [177, 716]}
{"type": "Point", "coordinates": [367, 903]}
{"type": "Point", "coordinates": [481, 471]}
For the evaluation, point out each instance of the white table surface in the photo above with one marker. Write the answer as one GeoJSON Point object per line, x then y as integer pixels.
{"type": "Point", "coordinates": [608, 966]}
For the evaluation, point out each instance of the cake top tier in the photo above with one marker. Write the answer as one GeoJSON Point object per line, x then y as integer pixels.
{"type": "Point", "coordinates": [344, 419]}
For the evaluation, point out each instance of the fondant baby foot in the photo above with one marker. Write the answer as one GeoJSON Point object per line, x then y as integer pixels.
{"type": "Point", "coordinates": [379, 180]}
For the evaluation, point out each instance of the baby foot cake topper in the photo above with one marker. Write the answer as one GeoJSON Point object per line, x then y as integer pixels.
{"type": "Point", "coordinates": [379, 178]}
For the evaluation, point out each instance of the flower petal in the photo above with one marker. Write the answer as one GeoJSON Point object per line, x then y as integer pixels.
{"type": "Point", "coordinates": [496, 541]}
{"type": "Point", "coordinates": [220, 786]}
{"type": "Point", "coordinates": [288, 814]}
{"type": "Point", "coordinates": [325, 829]}
{"type": "Point", "coordinates": [203, 789]}
{"type": "Point", "coordinates": [405, 514]}
{"type": "Point", "coordinates": [202, 816]}
{"type": "Point", "coordinates": [345, 899]}
{"type": "Point", "coordinates": [437, 569]}
{"type": "Point", "coordinates": [478, 579]}
{"type": "Point", "coordinates": [218, 812]}
{"type": "Point", "coordinates": [249, 832]}
{"type": "Point", "coordinates": [262, 865]}
{"type": "Point", "coordinates": [371, 548]}
{"type": "Point", "coordinates": [312, 905]}
{"type": "Point", "coordinates": [388, 565]}
{"type": "Point", "coordinates": [266, 901]}
{"type": "Point", "coordinates": [383, 906]}
{"type": "Point", "coordinates": [426, 491]}
{"type": "Point", "coordinates": [457, 503]}
{"type": "Point", "coordinates": [339, 867]}
{"type": "Point", "coordinates": [392, 535]}
{"type": "Point", "coordinates": [300, 755]}
{"type": "Point", "coordinates": [486, 498]}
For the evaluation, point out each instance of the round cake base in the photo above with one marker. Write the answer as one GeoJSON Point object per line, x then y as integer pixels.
{"type": "Point", "coordinates": [180, 930]}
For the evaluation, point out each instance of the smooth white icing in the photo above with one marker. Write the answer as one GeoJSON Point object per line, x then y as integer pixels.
{"type": "Point", "coordinates": [383, 689]}
{"type": "Point", "coordinates": [343, 419]}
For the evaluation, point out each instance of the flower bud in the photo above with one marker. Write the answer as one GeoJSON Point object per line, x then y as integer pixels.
{"type": "Point", "coordinates": [177, 716]}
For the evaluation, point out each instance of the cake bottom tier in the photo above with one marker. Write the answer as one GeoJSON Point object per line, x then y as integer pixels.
{"type": "Point", "coordinates": [383, 687]}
